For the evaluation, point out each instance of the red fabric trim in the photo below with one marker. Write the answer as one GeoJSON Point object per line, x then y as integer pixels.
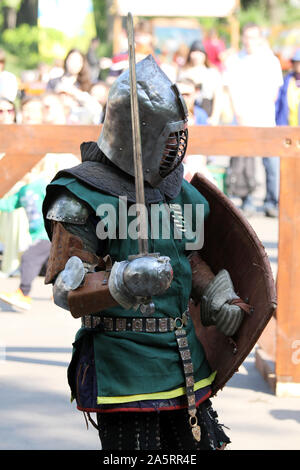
{"type": "Point", "coordinates": [116, 410]}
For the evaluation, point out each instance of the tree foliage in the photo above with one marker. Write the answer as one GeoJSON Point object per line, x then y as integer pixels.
{"type": "Point", "coordinates": [28, 12]}
{"type": "Point", "coordinates": [16, 12]}
{"type": "Point", "coordinates": [269, 12]}
{"type": "Point", "coordinates": [278, 18]}
{"type": "Point", "coordinates": [100, 13]}
{"type": "Point", "coordinates": [22, 42]}
{"type": "Point", "coordinates": [15, 4]}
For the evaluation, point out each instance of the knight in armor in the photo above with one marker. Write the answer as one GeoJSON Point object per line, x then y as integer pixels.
{"type": "Point", "coordinates": [142, 370]}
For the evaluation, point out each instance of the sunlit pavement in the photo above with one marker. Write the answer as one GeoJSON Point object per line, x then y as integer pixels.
{"type": "Point", "coordinates": [35, 408]}
{"type": "Point", "coordinates": [36, 347]}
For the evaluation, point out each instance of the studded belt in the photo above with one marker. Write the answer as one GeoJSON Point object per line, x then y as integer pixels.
{"type": "Point", "coordinates": [141, 324]}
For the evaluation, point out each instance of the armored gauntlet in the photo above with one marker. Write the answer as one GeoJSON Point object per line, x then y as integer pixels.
{"type": "Point", "coordinates": [216, 296]}
{"type": "Point", "coordinates": [131, 283]}
{"type": "Point", "coordinates": [216, 308]}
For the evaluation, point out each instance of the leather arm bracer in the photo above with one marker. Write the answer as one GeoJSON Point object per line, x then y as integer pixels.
{"type": "Point", "coordinates": [64, 245]}
{"type": "Point", "coordinates": [93, 294]}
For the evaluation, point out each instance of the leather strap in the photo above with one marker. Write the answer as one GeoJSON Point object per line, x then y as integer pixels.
{"type": "Point", "coordinates": [249, 309]}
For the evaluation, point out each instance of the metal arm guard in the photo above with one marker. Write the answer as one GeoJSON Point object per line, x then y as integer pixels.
{"type": "Point", "coordinates": [69, 279]}
{"type": "Point", "coordinates": [215, 305]}
{"type": "Point", "coordinates": [133, 282]}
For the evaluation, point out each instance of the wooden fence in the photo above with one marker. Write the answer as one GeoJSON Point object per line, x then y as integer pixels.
{"type": "Point", "coordinates": [278, 357]}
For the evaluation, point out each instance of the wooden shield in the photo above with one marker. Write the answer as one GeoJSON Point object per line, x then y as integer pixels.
{"type": "Point", "coordinates": [231, 243]}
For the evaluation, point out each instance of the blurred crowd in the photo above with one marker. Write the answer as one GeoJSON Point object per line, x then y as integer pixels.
{"type": "Point", "coordinates": [221, 86]}
{"type": "Point", "coordinates": [75, 90]}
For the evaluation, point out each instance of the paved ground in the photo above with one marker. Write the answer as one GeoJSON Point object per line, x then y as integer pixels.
{"type": "Point", "coordinates": [35, 408]}
{"type": "Point", "coordinates": [36, 412]}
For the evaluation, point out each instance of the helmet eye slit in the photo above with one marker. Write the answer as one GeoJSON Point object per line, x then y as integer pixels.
{"type": "Point", "coordinates": [174, 151]}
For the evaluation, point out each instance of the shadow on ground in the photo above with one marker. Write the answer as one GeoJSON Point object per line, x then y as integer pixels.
{"type": "Point", "coordinates": [250, 378]}
{"type": "Point", "coordinates": [286, 414]}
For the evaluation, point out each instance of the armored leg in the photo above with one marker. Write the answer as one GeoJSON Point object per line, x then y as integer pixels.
{"type": "Point", "coordinates": [129, 431]}
{"type": "Point", "coordinates": [168, 431]}
{"type": "Point", "coordinates": [176, 434]}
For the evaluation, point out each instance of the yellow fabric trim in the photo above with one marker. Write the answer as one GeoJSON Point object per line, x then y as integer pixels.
{"type": "Point", "coordinates": [153, 396]}
{"type": "Point", "coordinates": [293, 98]}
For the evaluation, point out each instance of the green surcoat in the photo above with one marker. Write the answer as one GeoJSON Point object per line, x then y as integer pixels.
{"type": "Point", "coordinates": [136, 365]}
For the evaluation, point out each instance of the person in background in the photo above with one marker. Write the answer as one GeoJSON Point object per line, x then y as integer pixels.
{"type": "Point", "coordinates": [253, 78]}
{"type": "Point", "coordinates": [119, 61]}
{"type": "Point", "coordinates": [32, 110]}
{"type": "Point", "coordinates": [143, 46]}
{"type": "Point", "coordinates": [75, 85]}
{"type": "Point", "coordinates": [53, 109]}
{"type": "Point", "coordinates": [143, 39]}
{"type": "Point", "coordinates": [288, 101]}
{"type": "Point", "coordinates": [7, 111]}
{"type": "Point", "coordinates": [56, 70]}
{"type": "Point", "coordinates": [76, 73]}
{"type": "Point", "coordinates": [80, 106]}
{"type": "Point", "coordinates": [96, 64]}
{"type": "Point", "coordinates": [54, 113]}
{"type": "Point", "coordinates": [165, 59]}
{"type": "Point", "coordinates": [207, 79]}
{"type": "Point", "coordinates": [99, 91]}
{"type": "Point", "coordinates": [70, 105]}
{"type": "Point", "coordinates": [214, 47]}
{"type": "Point", "coordinates": [30, 196]}
{"type": "Point", "coordinates": [14, 234]}
{"type": "Point", "coordinates": [33, 82]}
{"type": "Point", "coordinates": [180, 55]}
{"type": "Point", "coordinates": [197, 115]}
{"type": "Point", "coordinates": [8, 81]}
{"type": "Point", "coordinates": [93, 59]}
{"type": "Point", "coordinates": [43, 73]}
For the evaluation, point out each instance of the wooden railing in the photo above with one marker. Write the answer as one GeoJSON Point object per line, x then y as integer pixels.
{"type": "Point", "coordinates": [25, 145]}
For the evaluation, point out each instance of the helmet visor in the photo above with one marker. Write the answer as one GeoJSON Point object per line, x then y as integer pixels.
{"type": "Point", "coordinates": [174, 152]}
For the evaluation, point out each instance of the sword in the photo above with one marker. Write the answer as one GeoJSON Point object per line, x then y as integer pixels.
{"type": "Point", "coordinates": [137, 143]}
{"type": "Point", "coordinates": [132, 273]}
{"type": "Point", "coordinates": [148, 307]}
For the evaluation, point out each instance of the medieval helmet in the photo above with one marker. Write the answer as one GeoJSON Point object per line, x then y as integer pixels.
{"type": "Point", "coordinates": [163, 123]}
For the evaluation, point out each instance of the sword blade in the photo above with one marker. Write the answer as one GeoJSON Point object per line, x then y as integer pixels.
{"type": "Point", "coordinates": [137, 143]}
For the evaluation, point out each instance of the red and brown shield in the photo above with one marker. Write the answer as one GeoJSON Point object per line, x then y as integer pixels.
{"type": "Point", "coordinates": [231, 243]}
